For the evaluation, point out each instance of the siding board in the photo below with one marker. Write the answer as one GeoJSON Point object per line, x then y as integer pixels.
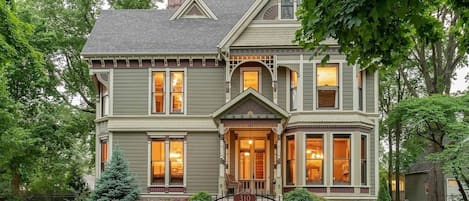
{"type": "Point", "coordinates": [134, 146]}
{"type": "Point", "coordinates": [205, 90]}
{"type": "Point", "coordinates": [262, 36]}
{"type": "Point", "coordinates": [202, 162]}
{"type": "Point", "coordinates": [308, 88]}
{"type": "Point", "coordinates": [267, 89]}
{"type": "Point", "coordinates": [130, 91]}
{"type": "Point", "coordinates": [347, 84]}
{"type": "Point", "coordinates": [235, 83]}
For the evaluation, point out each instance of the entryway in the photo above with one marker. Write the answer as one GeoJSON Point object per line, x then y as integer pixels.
{"type": "Point", "coordinates": [252, 164]}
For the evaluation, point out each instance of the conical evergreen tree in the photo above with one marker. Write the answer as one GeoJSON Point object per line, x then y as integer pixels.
{"type": "Point", "coordinates": [383, 193]}
{"type": "Point", "coordinates": [116, 182]}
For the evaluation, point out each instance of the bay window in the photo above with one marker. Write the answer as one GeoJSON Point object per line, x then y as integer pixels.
{"type": "Point", "coordinates": [167, 92]}
{"type": "Point", "coordinates": [327, 86]}
{"type": "Point", "coordinates": [104, 152]}
{"type": "Point", "coordinates": [363, 161]}
{"type": "Point", "coordinates": [293, 90]}
{"type": "Point", "coordinates": [291, 162]}
{"type": "Point", "coordinates": [341, 161]}
{"type": "Point", "coordinates": [314, 159]}
{"type": "Point", "coordinates": [167, 161]}
{"type": "Point", "coordinates": [360, 90]}
{"type": "Point", "coordinates": [104, 96]}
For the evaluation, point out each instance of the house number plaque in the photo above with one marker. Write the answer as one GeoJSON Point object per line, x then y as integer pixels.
{"type": "Point", "coordinates": [244, 197]}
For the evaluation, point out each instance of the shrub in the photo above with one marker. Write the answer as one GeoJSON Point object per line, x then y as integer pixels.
{"type": "Point", "coordinates": [201, 196]}
{"type": "Point", "coordinates": [301, 194]}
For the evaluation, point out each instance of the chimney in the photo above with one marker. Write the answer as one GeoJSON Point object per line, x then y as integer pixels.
{"type": "Point", "coordinates": [174, 4]}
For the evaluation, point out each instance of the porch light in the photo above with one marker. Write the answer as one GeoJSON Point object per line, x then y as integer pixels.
{"type": "Point", "coordinates": [246, 153]}
{"type": "Point", "coordinates": [250, 141]}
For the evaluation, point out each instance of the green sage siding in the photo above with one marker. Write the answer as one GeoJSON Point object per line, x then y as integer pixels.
{"type": "Point", "coordinates": [282, 87]}
{"type": "Point", "coordinates": [134, 146]}
{"type": "Point", "coordinates": [205, 90]}
{"type": "Point", "coordinates": [347, 87]}
{"type": "Point", "coordinates": [370, 91]}
{"type": "Point", "coordinates": [235, 83]}
{"type": "Point", "coordinates": [308, 87]}
{"type": "Point", "coordinates": [130, 94]}
{"type": "Point", "coordinates": [267, 89]}
{"type": "Point", "coordinates": [203, 161]}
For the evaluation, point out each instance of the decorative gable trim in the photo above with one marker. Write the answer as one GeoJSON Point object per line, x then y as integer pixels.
{"type": "Point", "coordinates": [242, 24]}
{"type": "Point", "coordinates": [188, 5]}
{"type": "Point", "coordinates": [255, 95]}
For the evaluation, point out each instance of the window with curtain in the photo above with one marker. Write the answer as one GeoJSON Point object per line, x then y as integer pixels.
{"type": "Point", "coordinates": [173, 155]}
{"type": "Point", "coordinates": [293, 90]}
{"type": "Point", "coordinates": [341, 164]}
{"type": "Point", "coordinates": [177, 92]}
{"type": "Point", "coordinates": [158, 162]}
{"type": "Point", "coordinates": [158, 92]}
{"type": "Point", "coordinates": [176, 161]}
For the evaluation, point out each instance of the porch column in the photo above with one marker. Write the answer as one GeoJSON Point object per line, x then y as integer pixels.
{"type": "Point", "coordinates": [221, 176]}
{"type": "Point", "coordinates": [278, 176]}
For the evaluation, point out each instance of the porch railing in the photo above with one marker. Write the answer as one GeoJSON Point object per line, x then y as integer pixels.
{"type": "Point", "coordinates": [253, 186]}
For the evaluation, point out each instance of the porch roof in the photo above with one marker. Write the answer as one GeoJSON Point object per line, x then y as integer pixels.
{"type": "Point", "coordinates": [254, 95]}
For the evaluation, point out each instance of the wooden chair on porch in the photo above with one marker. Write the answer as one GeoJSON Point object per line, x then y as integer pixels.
{"type": "Point", "coordinates": [232, 185]}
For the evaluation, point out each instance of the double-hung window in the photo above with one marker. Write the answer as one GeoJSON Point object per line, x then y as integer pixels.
{"type": "Point", "coordinates": [342, 159]}
{"type": "Point", "coordinates": [104, 154]}
{"type": "Point", "coordinates": [168, 92]}
{"type": "Point", "coordinates": [104, 96]}
{"type": "Point", "coordinates": [167, 161]}
{"type": "Point", "coordinates": [314, 159]}
{"type": "Point", "coordinates": [327, 86]}
{"type": "Point", "coordinates": [360, 90]}
{"type": "Point", "coordinates": [293, 90]}
{"type": "Point", "coordinates": [291, 161]}
{"type": "Point", "coordinates": [363, 161]}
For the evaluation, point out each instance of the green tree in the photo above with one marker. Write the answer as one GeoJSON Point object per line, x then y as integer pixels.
{"type": "Point", "coordinates": [116, 182]}
{"type": "Point", "coordinates": [383, 193]}
{"type": "Point", "coordinates": [131, 4]}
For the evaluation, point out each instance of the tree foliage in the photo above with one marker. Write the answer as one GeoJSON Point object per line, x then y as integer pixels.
{"type": "Point", "coordinates": [131, 4]}
{"type": "Point", "coordinates": [116, 182]}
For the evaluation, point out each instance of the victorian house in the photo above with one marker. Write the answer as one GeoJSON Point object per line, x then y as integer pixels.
{"type": "Point", "coordinates": [214, 96]}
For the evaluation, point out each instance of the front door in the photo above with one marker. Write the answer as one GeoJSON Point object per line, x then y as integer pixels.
{"type": "Point", "coordinates": [252, 165]}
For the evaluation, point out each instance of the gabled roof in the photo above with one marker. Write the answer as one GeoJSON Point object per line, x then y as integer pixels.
{"type": "Point", "coordinates": [144, 32]}
{"type": "Point", "coordinates": [250, 93]}
{"type": "Point", "coordinates": [189, 5]}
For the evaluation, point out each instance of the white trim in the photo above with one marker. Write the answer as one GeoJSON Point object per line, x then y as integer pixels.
{"type": "Point", "coordinates": [286, 62]}
{"type": "Point", "coordinates": [167, 91]}
{"type": "Point", "coordinates": [288, 89]}
{"type": "Point", "coordinates": [150, 91]}
{"type": "Point", "coordinates": [149, 162]}
{"type": "Point", "coordinates": [341, 87]}
{"type": "Point", "coordinates": [376, 88]}
{"type": "Point", "coordinates": [376, 154]}
{"type": "Point", "coordinates": [166, 162]}
{"type": "Point", "coordinates": [165, 134]}
{"type": "Point", "coordinates": [350, 134]}
{"type": "Point", "coordinates": [250, 69]}
{"type": "Point", "coordinates": [184, 178]}
{"type": "Point", "coordinates": [260, 25]}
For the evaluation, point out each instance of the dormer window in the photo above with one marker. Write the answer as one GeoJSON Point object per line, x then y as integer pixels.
{"type": "Point", "coordinates": [250, 78]}
{"type": "Point", "coordinates": [288, 9]}
{"type": "Point", "coordinates": [327, 86]}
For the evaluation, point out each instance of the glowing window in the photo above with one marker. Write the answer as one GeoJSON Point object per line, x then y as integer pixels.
{"type": "Point", "coordinates": [293, 90]}
{"type": "Point", "coordinates": [177, 92]}
{"type": "Point", "coordinates": [327, 86]}
{"type": "Point", "coordinates": [314, 159]}
{"type": "Point", "coordinates": [291, 166]}
{"type": "Point", "coordinates": [157, 162]}
{"type": "Point", "coordinates": [176, 161]}
{"type": "Point", "coordinates": [167, 161]}
{"type": "Point", "coordinates": [341, 165]}
{"type": "Point", "coordinates": [104, 154]}
{"type": "Point", "coordinates": [158, 92]}
{"type": "Point", "coordinates": [251, 80]}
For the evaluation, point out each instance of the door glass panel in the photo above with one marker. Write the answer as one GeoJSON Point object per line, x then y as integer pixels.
{"type": "Point", "coordinates": [244, 165]}
{"type": "Point", "coordinates": [260, 165]}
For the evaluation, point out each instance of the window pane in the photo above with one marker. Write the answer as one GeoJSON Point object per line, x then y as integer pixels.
{"type": "Point", "coordinates": [104, 100]}
{"type": "Point", "coordinates": [158, 92]}
{"type": "Point", "coordinates": [327, 75]}
{"type": "Point", "coordinates": [363, 157]}
{"type": "Point", "coordinates": [287, 9]}
{"type": "Point", "coordinates": [291, 166]}
{"type": "Point", "coordinates": [341, 159]}
{"type": "Point", "coordinates": [104, 156]}
{"type": "Point", "coordinates": [260, 164]}
{"type": "Point", "coordinates": [177, 92]}
{"type": "Point", "coordinates": [251, 80]}
{"type": "Point", "coordinates": [360, 89]}
{"type": "Point", "coordinates": [327, 98]}
{"type": "Point", "coordinates": [176, 161]}
{"type": "Point", "coordinates": [314, 159]}
{"type": "Point", "coordinates": [158, 161]}
{"type": "Point", "coordinates": [293, 90]}
{"type": "Point", "coordinates": [245, 168]}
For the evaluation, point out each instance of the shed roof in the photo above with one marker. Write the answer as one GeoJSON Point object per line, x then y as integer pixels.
{"type": "Point", "coordinates": [136, 32]}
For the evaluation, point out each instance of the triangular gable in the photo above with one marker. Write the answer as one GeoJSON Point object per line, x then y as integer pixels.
{"type": "Point", "coordinates": [250, 105]}
{"type": "Point", "coordinates": [242, 24]}
{"type": "Point", "coordinates": [193, 9]}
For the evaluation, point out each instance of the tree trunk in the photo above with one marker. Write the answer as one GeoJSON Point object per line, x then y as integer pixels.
{"type": "Point", "coordinates": [398, 169]}
{"type": "Point", "coordinates": [390, 163]}
{"type": "Point", "coordinates": [460, 185]}
{"type": "Point", "coordinates": [15, 181]}
{"type": "Point", "coordinates": [436, 178]}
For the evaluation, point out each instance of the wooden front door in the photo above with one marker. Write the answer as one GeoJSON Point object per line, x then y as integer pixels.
{"type": "Point", "coordinates": [252, 165]}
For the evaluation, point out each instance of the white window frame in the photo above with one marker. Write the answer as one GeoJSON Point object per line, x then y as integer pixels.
{"type": "Point", "coordinates": [367, 159]}
{"type": "Point", "coordinates": [295, 8]}
{"type": "Point", "coordinates": [289, 89]}
{"type": "Point", "coordinates": [284, 160]}
{"type": "Point", "coordinates": [100, 151]}
{"type": "Point", "coordinates": [250, 69]}
{"type": "Point", "coordinates": [338, 88]}
{"type": "Point", "coordinates": [167, 91]}
{"type": "Point", "coordinates": [166, 137]}
{"type": "Point", "coordinates": [104, 100]}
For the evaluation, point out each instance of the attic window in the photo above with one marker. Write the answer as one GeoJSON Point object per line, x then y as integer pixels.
{"type": "Point", "coordinates": [194, 12]}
